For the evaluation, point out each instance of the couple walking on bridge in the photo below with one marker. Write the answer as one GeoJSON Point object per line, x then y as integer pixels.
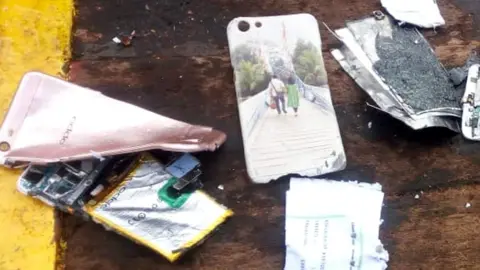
{"type": "Point", "coordinates": [278, 90]}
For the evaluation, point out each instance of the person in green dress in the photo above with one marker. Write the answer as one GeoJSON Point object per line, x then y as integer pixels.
{"type": "Point", "coordinates": [293, 94]}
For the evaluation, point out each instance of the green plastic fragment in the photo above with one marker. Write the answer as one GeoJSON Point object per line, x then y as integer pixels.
{"type": "Point", "coordinates": [173, 200]}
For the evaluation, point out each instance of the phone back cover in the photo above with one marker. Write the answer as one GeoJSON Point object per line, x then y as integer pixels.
{"type": "Point", "coordinates": [286, 112]}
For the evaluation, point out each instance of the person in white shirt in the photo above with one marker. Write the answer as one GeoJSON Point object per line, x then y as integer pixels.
{"type": "Point", "coordinates": [277, 91]}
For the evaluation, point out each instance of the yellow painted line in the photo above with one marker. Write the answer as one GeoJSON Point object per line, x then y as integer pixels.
{"type": "Point", "coordinates": [34, 35]}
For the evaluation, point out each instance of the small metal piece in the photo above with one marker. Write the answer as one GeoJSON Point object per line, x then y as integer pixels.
{"type": "Point", "coordinates": [470, 100]}
{"type": "Point", "coordinates": [180, 184]}
{"type": "Point", "coordinates": [474, 121]}
{"type": "Point", "coordinates": [4, 146]}
{"type": "Point", "coordinates": [186, 169]}
{"type": "Point", "coordinates": [73, 170]}
{"type": "Point", "coordinates": [331, 31]}
{"type": "Point", "coordinates": [378, 15]}
{"type": "Point", "coordinates": [190, 178]}
{"type": "Point", "coordinates": [126, 40]}
{"type": "Point", "coordinates": [82, 187]}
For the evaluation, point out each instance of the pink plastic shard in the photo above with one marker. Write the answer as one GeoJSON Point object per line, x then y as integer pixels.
{"type": "Point", "coordinates": [51, 120]}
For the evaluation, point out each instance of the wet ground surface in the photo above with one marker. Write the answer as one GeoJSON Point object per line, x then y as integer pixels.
{"type": "Point", "coordinates": [179, 66]}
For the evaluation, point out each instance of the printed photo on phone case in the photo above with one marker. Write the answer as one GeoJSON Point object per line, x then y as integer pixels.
{"type": "Point", "coordinates": [286, 113]}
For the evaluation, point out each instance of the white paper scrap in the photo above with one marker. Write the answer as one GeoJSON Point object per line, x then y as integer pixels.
{"type": "Point", "coordinates": [333, 225]}
{"type": "Point", "coordinates": [423, 13]}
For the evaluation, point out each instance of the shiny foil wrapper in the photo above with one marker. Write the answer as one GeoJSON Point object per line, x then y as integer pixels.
{"type": "Point", "coordinates": [135, 210]}
{"type": "Point", "coordinates": [50, 120]}
{"type": "Point", "coordinates": [360, 57]}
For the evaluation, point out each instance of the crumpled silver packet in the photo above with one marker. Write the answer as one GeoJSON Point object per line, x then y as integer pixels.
{"type": "Point", "coordinates": [367, 46]}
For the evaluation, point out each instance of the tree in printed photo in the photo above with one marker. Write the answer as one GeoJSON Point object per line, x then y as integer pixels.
{"type": "Point", "coordinates": [308, 63]}
{"type": "Point", "coordinates": [250, 73]}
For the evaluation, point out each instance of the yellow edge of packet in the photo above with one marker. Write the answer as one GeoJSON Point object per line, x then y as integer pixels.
{"type": "Point", "coordinates": [170, 255]}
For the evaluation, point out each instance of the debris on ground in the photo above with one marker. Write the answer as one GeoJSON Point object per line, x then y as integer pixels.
{"type": "Point", "coordinates": [344, 233]}
{"type": "Point", "coordinates": [143, 190]}
{"type": "Point", "coordinates": [467, 205]}
{"type": "Point", "coordinates": [126, 40]}
{"type": "Point", "coordinates": [396, 66]}
{"type": "Point", "coordinates": [471, 105]}
{"type": "Point", "coordinates": [221, 187]}
{"type": "Point", "coordinates": [186, 169]}
{"type": "Point", "coordinates": [459, 75]}
{"type": "Point", "coordinates": [113, 181]}
{"type": "Point", "coordinates": [417, 196]}
{"type": "Point", "coordinates": [423, 13]}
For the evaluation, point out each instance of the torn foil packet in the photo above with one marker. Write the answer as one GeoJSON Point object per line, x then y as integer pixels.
{"type": "Point", "coordinates": [50, 120]}
{"type": "Point", "coordinates": [423, 13]}
{"type": "Point", "coordinates": [134, 197]}
{"type": "Point", "coordinates": [398, 69]}
{"type": "Point", "coordinates": [471, 105]}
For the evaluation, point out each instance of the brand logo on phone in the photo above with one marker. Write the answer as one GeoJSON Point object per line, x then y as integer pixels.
{"type": "Point", "coordinates": [68, 131]}
{"type": "Point", "coordinates": [113, 198]}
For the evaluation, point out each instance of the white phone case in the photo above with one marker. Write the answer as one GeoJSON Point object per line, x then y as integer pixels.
{"type": "Point", "coordinates": [286, 113]}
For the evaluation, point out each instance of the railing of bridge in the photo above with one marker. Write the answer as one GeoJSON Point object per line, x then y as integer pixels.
{"type": "Point", "coordinates": [253, 108]}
